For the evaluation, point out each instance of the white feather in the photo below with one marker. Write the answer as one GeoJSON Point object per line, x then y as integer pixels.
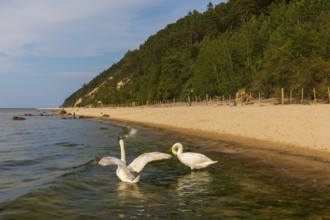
{"type": "Point", "coordinates": [138, 163]}
{"type": "Point", "coordinates": [128, 173]}
{"type": "Point", "coordinates": [192, 160]}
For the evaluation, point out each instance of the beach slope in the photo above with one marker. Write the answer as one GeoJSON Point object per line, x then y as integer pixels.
{"type": "Point", "coordinates": [306, 126]}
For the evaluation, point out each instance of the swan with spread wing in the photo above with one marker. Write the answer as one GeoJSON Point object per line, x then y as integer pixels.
{"type": "Point", "coordinates": [129, 173]}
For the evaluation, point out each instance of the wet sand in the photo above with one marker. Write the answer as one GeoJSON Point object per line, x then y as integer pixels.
{"type": "Point", "coordinates": [295, 139]}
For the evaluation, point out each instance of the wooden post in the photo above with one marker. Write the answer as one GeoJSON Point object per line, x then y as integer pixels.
{"type": "Point", "coordinates": [329, 94]}
{"type": "Point", "coordinates": [242, 98]}
{"type": "Point", "coordinates": [282, 96]}
{"type": "Point", "coordinates": [302, 96]}
{"type": "Point", "coordinates": [207, 98]}
{"type": "Point", "coordinates": [290, 96]}
{"type": "Point", "coordinates": [230, 98]}
{"type": "Point", "coordinates": [314, 91]}
{"type": "Point", "coordinates": [259, 98]}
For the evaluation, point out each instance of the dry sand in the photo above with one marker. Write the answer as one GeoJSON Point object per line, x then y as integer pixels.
{"type": "Point", "coordinates": [302, 132]}
{"type": "Point", "coordinates": [296, 125]}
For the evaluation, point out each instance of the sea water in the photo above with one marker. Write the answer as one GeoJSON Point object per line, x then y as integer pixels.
{"type": "Point", "coordinates": [49, 170]}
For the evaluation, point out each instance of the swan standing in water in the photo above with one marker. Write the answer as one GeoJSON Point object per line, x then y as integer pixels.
{"type": "Point", "coordinates": [129, 173]}
{"type": "Point", "coordinates": [192, 160]}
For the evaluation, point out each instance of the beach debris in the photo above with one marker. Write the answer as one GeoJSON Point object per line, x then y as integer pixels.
{"type": "Point", "coordinates": [82, 116]}
{"type": "Point", "coordinates": [17, 118]}
{"type": "Point", "coordinates": [62, 112]}
{"type": "Point", "coordinates": [105, 115]}
{"type": "Point", "coordinates": [28, 114]}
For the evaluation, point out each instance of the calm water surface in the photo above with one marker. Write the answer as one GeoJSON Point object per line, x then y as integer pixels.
{"type": "Point", "coordinates": [49, 170]}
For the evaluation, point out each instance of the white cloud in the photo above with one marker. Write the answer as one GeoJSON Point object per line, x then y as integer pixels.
{"type": "Point", "coordinates": [62, 28]}
{"type": "Point", "coordinates": [77, 28]}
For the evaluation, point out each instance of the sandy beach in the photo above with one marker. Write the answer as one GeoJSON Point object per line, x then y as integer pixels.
{"type": "Point", "coordinates": [295, 139]}
{"type": "Point", "coordinates": [289, 125]}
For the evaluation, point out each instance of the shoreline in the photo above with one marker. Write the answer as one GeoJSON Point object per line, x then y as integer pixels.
{"type": "Point", "coordinates": [292, 125]}
{"type": "Point", "coordinates": [305, 161]}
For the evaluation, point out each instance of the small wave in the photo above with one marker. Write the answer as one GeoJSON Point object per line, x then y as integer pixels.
{"type": "Point", "coordinates": [131, 132]}
{"type": "Point", "coordinates": [88, 163]}
{"type": "Point", "coordinates": [103, 128]}
{"type": "Point", "coordinates": [22, 133]}
{"type": "Point", "coordinates": [82, 168]}
{"type": "Point", "coordinates": [16, 163]}
{"type": "Point", "coordinates": [67, 144]}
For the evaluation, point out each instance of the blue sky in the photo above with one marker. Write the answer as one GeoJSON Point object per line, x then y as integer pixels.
{"type": "Point", "coordinates": [50, 48]}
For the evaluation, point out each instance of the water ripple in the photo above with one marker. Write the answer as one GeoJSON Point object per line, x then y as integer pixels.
{"type": "Point", "coordinates": [49, 170]}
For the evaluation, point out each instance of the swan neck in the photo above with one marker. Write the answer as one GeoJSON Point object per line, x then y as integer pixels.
{"type": "Point", "coordinates": [122, 150]}
{"type": "Point", "coordinates": [177, 149]}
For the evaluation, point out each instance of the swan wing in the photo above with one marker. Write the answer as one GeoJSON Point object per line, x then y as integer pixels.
{"type": "Point", "coordinates": [195, 160]}
{"type": "Point", "coordinates": [205, 164]}
{"type": "Point", "coordinates": [122, 172]}
{"type": "Point", "coordinates": [138, 163]}
{"type": "Point", "coordinates": [195, 157]}
{"type": "Point", "coordinates": [105, 161]}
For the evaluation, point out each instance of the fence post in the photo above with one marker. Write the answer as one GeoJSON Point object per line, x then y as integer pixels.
{"type": "Point", "coordinates": [282, 96]}
{"type": "Point", "coordinates": [259, 98]}
{"type": "Point", "coordinates": [242, 98]}
{"type": "Point", "coordinates": [302, 95]}
{"type": "Point", "coordinates": [207, 98]}
{"type": "Point", "coordinates": [291, 96]}
{"type": "Point", "coordinates": [314, 95]}
{"type": "Point", "coordinates": [329, 94]}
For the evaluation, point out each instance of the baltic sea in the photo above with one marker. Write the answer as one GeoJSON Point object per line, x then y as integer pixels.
{"type": "Point", "coordinates": [49, 170]}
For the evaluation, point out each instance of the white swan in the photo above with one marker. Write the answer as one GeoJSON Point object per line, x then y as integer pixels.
{"type": "Point", "coordinates": [192, 160]}
{"type": "Point", "coordinates": [129, 173]}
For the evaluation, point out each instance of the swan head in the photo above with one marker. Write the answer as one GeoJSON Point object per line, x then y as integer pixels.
{"type": "Point", "coordinates": [177, 148]}
{"type": "Point", "coordinates": [121, 142]}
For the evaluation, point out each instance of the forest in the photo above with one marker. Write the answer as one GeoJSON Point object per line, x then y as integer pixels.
{"type": "Point", "coordinates": [261, 46]}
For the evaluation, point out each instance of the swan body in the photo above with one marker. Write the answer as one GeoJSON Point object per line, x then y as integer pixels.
{"type": "Point", "coordinates": [192, 160]}
{"type": "Point", "coordinates": [129, 173]}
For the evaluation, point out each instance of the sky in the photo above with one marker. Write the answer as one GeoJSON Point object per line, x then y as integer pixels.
{"type": "Point", "coordinates": [50, 48]}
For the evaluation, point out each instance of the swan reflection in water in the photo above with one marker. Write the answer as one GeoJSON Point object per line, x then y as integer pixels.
{"type": "Point", "coordinates": [128, 191]}
{"type": "Point", "coordinates": [193, 183]}
{"type": "Point", "coordinates": [135, 200]}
